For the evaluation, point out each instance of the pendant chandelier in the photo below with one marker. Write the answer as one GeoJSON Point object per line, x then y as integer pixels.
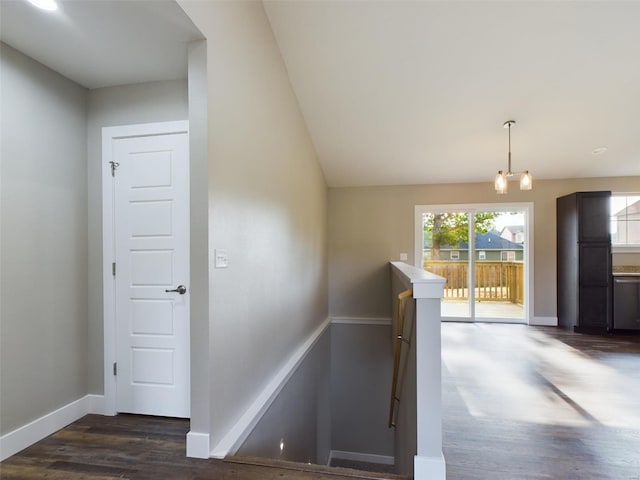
{"type": "Point", "coordinates": [501, 182]}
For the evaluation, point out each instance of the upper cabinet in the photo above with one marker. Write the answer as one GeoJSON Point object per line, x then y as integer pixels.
{"type": "Point", "coordinates": [593, 216]}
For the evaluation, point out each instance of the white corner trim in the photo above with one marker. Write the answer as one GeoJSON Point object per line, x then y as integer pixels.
{"type": "Point", "coordinates": [96, 404]}
{"type": "Point", "coordinates": [544, 321]}
{"type": "Point", "coordinates": [429, 468]}
{"type": "Point", "coordinates": [198, 445]}
{"type": "Point", "coordinates": [22, 437]}
{"type": "Point", "coordinates": [239, 432]}
{"type": "Point", "coordinates": [361, 457]}
{"type": "Point", "coordinates": [360, 321]}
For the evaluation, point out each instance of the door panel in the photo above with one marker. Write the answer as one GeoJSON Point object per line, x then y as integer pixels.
{"type": "Point", "coordinates": [595, 305]}
{"type": "Point", "coordinates": [151, 251]}
{"type": "Point", "coordinates": [499, 267]}
{"type": "Point", "coordinates": [151, 219]}
{"type": "Point", "coordinates": [595, 268]}
{"type": "Point", "coordinates": [449, 259]}
{"type": "Point", "coordinates": [593, 210]}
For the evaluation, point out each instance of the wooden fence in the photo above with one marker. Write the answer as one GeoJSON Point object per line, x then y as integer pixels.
{"type": "Point", "coordinates": [495, 281]}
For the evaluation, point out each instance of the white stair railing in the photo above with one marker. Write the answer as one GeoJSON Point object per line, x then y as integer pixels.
{"type": "Point", "coordinates": [419, 417]}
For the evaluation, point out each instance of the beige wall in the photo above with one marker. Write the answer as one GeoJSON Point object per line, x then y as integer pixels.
{"type": "Point", "coordinates": [267, 209]}
{"type": "Point", "coordinates": [369, 226]}
{"type": "Point", "coordinates": [43, 259]}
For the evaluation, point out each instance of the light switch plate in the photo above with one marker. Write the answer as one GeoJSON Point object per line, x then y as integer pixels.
{"type": "Point", "coordinates": [404, 257]}
{"type": "Point", "coordinates": [221, 258]}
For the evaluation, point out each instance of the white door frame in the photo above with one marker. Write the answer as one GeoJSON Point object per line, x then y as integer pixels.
{"type": "Point", "coordinates": [487, 207]}
{"type": "Point", "coordinates": [109, 134]}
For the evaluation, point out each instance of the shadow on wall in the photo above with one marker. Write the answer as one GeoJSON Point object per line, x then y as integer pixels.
{"type": "Point", "coordinates": [336, 403]}
{"type": "Point", "coordinates": [296, 427]}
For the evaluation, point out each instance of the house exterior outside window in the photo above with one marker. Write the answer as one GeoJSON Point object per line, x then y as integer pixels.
{"type": "Point", "coordinates": [508, 256]}
{"type": "Point", "coordinates": [625, 220]}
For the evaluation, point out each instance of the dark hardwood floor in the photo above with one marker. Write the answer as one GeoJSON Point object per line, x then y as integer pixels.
{"type": "Point", "coordinates": [147, 448]}
{"type": "Point", "coordinates": [519, 403]}
{"type": "Point", "coordinates": [540, 403]}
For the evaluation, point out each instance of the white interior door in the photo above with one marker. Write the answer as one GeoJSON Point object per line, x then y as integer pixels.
{"type": "Point", "coordinates": [151, 246]}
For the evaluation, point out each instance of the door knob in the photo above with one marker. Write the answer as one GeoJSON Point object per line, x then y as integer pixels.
{"type": "Point", "coordinates": [181, 289]}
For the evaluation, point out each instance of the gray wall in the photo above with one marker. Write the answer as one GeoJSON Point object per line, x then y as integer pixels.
{"type": "Point", "coordinates": [300, 415]}
{"type": "Point", "coordinates": [338, 399]}
{"type": "Point", "coordinates": [361, 370]}
{"type": "Point", "coordinates": [43, 315]}
{"type": "Point", "coordinates": [111, 106]}
{"type": "Point", "coordinates": [369, 226]}
{"type": "Point", "coordinates": [267, 208]}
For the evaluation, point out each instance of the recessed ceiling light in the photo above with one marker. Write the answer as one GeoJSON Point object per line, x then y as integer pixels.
{"type": "Point", "coordinates": [49, 5]}
{"type": "Point", "coordinates": [599, 150]}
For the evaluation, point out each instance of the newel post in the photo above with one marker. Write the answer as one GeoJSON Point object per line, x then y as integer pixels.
{"type": "Point", "coordinates": [428, 290]}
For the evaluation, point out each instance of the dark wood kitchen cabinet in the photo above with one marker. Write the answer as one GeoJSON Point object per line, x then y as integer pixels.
{"type": "Point", "coordinates": [584, 261]}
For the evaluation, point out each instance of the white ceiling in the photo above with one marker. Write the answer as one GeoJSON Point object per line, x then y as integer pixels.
{"type": "Point", "coordinates": [102, 43]}
{"type": "Point", "coordinates": [397, 92]}
{"type": "Point", "coordinates": [416, 92]}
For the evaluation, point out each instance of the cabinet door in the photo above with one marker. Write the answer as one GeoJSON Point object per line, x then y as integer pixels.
{"type": "Point", "coordinates": [626, 303]}
{"type": "Point", "coordinates": [595, 264]}
{"type": "Point", "coordinates": [595, 308]}
{"type": "Point", "coordinates": [593, 214]}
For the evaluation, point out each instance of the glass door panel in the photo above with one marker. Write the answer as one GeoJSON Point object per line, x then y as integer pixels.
{"type": "Point", "coordinates": [498, 285]}
{"type": "Point", "coordinates": [446, 253]}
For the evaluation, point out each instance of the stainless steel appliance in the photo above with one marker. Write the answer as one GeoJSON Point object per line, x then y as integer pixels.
{"type": "Point", "coordinates": [626, 301]}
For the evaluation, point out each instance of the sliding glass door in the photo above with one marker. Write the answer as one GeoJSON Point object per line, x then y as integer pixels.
{"type": "Point", "coordinates": [483, 253]}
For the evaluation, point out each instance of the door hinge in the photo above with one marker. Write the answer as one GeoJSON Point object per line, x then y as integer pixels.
{"type": "Point", "coordinates": [114, 167]}
{"type": "Point", "coordinates": [115, 368]}
{"type": "Point", "coordinates": [113, 269]}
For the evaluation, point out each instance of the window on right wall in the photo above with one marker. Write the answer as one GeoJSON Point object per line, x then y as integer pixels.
{"type": "Point", "coordinates": [625, 220]}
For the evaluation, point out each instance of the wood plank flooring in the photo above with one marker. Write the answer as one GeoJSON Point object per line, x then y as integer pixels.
{"type": "Point", "coordinates": [146, 448]}
{"type": "Point", "coordinates": [519, 403]}
{"type": "Point", "coordinates": [540, 403]}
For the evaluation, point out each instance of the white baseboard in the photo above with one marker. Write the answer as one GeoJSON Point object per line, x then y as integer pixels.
{"type": "Point", "coordinates": [361, 457]}
{"type": "Point", "coordinates": [198, 445]}
{"type": "Point", "coordinates": [22, 437]}
{"type": "Point", "coordinates": [360, 321]}
{"type": "Point", "coordinates": [429, 468]}
{"type": "Point", "coordinates": [544, 321]}
{"type": "Point", "coordinates": [239, 432]}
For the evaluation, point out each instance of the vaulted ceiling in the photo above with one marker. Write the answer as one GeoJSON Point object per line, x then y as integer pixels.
{"type": "Point", "coordinates": [417, 92]}
{"type": "Point", "coordinates": [397, 92]}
